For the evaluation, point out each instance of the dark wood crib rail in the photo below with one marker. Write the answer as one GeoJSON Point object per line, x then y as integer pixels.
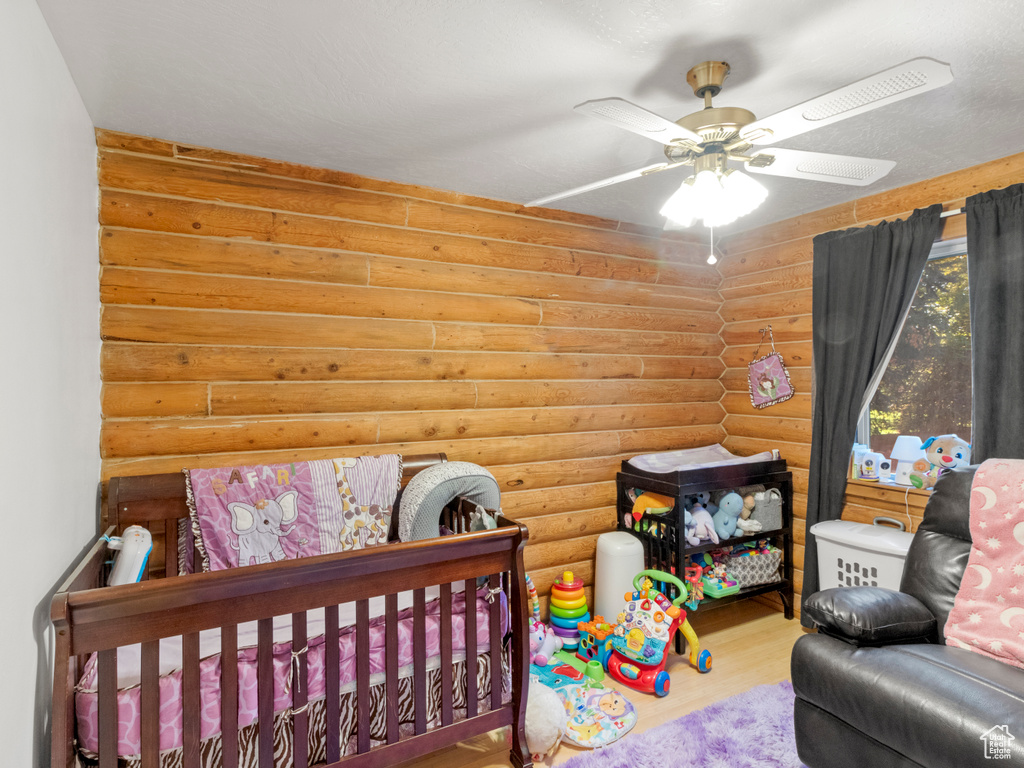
{"type": "Point", "coordinates": [89, 619]}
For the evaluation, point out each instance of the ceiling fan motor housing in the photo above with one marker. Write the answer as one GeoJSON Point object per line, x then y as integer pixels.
{"type": "Point", "coordinates": [717, 126]}
{"type": "Point", "coordinates": [707, 77]}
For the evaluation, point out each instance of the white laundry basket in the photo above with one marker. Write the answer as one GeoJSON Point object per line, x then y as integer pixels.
{"type": "Point", "coordinates": [858, 555]}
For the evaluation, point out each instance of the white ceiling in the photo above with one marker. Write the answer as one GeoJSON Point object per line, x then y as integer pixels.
{"type": "Point", "coordinates": [476, 96]}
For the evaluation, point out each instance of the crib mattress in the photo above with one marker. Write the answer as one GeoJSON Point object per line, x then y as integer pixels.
{"type": "Point", "coordinates": [285, 669]}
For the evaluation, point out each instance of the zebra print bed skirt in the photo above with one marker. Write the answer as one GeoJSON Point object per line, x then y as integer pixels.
{"type": "Point", "coordinates": [248, 737]}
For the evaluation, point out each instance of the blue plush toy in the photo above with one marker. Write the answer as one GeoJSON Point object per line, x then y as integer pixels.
{"type": "Point", "coordinates": [727, 517]}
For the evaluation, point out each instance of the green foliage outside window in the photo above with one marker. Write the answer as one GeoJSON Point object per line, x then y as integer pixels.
{"type": "Point", "coordinates": [926, 390]}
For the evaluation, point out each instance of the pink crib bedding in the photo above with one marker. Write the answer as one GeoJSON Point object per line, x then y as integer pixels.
{"type": "Point", "coordinates": [170, 680]}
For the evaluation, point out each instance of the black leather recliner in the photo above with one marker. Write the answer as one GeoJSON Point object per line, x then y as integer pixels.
{"type": "Point", "coordinates": [877, 686]}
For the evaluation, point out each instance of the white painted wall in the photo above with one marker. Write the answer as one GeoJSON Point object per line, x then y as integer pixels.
{"type": "Point", "coordinates": [50, 385]}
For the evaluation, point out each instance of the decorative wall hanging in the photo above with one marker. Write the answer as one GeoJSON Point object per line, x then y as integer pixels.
{"type": "Point", "coordinates": [768, 377]}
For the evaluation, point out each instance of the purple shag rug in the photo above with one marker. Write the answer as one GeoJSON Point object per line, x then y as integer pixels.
{"type": "Point", "coordinates": [753, 729]}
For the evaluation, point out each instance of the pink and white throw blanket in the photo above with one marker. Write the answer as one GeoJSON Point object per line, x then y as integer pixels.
{"type": "Point", "coordinates": [988, 613]}
{"type": "Point", "coordinates": [265, 513]}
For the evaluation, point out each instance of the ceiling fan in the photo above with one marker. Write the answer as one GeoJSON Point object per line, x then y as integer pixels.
{"type": "Point", "coordinates": [707, 140]}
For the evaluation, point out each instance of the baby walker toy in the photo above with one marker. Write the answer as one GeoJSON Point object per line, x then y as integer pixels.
{"type": "Point", "coordinates": [637, 651]}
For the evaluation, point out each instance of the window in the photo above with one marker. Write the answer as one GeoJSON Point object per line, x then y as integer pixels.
{"type": "Point", "coordinates": [926, 389]}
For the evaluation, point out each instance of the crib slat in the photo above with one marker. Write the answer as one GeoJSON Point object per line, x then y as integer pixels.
{"type": "Point", "coordinates": [470, 595]}
{"type": "Point", "coordinates": [229, 695]}
{"type": "Point", "coordinates": [446, 654]}
{"type": "Point", "coordinates": [150, 695]}
{"type": "Point", "coordinates": [190, 703]}
{"type": "Point", "coordinates": [419, 659]}
{"type": "Point", "coordinates": [300, 694]}
{"type": "Point", "coordinates": [332, 672]}
{"type": "Point", "coordinates": [265, 690]}
{"type": "Point", "coordinates": [391, 665]}
{"type": "Point", "coordinates": [362, 676]}
{"type": "Point", "coordinates": [106, 673]}
{"type": "Point", "coordinates": [170, 548]}
{"type": "Point", "coordinates": [494, 635]}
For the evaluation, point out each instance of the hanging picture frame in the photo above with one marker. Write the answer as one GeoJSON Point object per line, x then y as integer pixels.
{"type": "Point", "coordinates": [767, 377]}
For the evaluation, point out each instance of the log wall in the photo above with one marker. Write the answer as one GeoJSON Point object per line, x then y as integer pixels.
{"type": "Point", "coordinates": [256, 310]}
{"type": "Point", "coordinates": [259, 311]}
{"type": "Point", "coordinates": [767, 279]}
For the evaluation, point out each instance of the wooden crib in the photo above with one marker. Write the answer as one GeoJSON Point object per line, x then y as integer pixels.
{"type": "Point", "coordinates": [89, 618]}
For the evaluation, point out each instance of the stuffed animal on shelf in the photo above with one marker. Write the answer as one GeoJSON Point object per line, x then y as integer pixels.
{"type": "Point", "coordinates": [690, 529]}
{"type": "Point", "coordinates": [745, 524]}
{"type": "Point", "coordinates": [730, 507]}
{"type": "Point", "coordinates": [544, 643]}
{"type": "Point", "coordinates": [652, 503]}
{"type": "Point", "coordinates": [943, 453]}
{"type": "Point", "coordinates": [703, 524]}
{"type": "Point", "coordinates": [546, 719]}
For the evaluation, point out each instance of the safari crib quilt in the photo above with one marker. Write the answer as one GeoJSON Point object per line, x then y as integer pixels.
{"type": "Point", "coordinates": [265, 513]}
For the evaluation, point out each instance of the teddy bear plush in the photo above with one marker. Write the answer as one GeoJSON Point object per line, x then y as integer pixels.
{"type": "Point", "coordinates": [944, 452]}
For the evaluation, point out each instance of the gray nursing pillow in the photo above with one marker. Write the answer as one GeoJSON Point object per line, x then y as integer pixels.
{"type": "Point", "coordinates": [432, 489]}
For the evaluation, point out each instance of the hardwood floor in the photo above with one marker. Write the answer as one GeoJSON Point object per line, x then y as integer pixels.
{"type": "Point", "coordinates": [750, 644]}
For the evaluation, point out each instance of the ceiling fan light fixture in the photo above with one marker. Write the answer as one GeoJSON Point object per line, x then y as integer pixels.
{"type": "Point", "coordinates": [746, 192]}
{"type": "Point", "coordinates": [713, 198]}
{"type": "Point", "coordinates": [680, 209]}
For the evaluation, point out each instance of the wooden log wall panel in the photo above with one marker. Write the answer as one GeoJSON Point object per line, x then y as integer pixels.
{"type": "Point", "coordinates": [547, 501]}
{"type": "Point", "coordinates": [408, 273]}
{"type": "Point", "coordinates": [258, 311]}
{"type": "Point", "coordinates": [557, 474]}
{"type": "Point", "coordinates": [155, 250]}
{"type": "Point", "coordinates": [518, 394]}
{"type": "Point", "coordinates": [766, 278]}
{"type": "Point", "coordinates": [213, 157]}
{"type": "Point", "coordinates": [255, 398]}
{"type": "Point", "coordinates": [173, 215]}
{"type": "Point", "coordinates": [175, 362]}
{"type": "Point", "coordinates": [682, 367]}
{"type": "Point", "coordinates": [586, 522]}
{"type": "Point", "coordinates": [148, 399]}
{"type": "Point", "coordinates": [199, 291]}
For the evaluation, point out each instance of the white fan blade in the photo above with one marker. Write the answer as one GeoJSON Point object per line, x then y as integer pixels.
{"type": "Point", "coordinates": [602, 183]}
{"type": "Point", "coordinates": [839, 169]}
{"type": "Point", "coordinates": [624, 114]}
{"type": "Point", "coordinates": [892, 85]}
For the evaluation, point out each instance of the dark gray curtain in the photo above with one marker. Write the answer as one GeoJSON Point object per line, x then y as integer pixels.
{"type": "Point", "coordinates": [995, 272]}
{"type": "Point", "coordinates": [864, 281]}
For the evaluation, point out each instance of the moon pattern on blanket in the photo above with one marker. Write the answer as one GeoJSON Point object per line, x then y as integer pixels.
{"type": "Point", "coordinates": [1018, 533]}
{"type": "Point", "coordinates": [1008, 615]}
{"type": "Point", "coordinates": [988, 493]}
{"type": "Point", "coordinates": [985, 573]}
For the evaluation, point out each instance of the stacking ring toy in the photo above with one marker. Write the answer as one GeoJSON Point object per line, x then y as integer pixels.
{"type": "Point", "coordinates": [574, 613]}
{"type": "Point", "coordinates": [568, 605]}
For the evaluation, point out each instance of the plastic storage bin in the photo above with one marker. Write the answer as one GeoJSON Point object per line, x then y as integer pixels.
{"type": "Point", "coordinates": [858, 555]}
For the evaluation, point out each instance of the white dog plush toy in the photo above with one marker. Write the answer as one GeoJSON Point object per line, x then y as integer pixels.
{"type": "Point", "coordinates": [546, 719]}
